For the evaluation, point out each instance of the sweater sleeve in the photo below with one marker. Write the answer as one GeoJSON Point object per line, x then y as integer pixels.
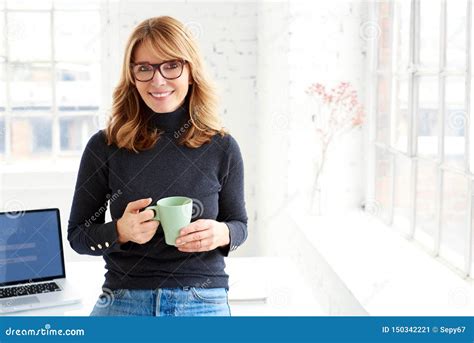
{"type": "Point", "coordinates": [231, 198]}
{"type": "Point", "coordinates": [87, 231]}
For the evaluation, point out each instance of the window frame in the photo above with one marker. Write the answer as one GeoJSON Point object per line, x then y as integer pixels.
{"type": "Point", "coordinates": [414, 72]}
{"type": "Point", "coordinates": [54, 113]}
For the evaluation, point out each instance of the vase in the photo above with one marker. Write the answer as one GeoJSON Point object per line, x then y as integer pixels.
{"type": "Point", "coordinates": [317, 202]}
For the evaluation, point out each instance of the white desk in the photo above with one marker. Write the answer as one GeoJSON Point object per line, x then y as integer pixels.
{"type": "Point", "coordinates": [287, 293]}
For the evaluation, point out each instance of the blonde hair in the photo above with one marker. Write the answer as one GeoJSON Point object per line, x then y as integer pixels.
{"type": "Point", "coordinates": [168, 39]}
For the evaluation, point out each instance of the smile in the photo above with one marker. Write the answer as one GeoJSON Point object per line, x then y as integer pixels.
{"type": "Point", "coordinates": [161, 95]}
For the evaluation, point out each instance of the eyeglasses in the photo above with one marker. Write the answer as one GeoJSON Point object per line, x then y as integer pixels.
{"type": "Point", "coordinates": [170, 70]}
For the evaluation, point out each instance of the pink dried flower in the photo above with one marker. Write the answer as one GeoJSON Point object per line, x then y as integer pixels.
{"type": "Point", "coordinates": [337, 111]}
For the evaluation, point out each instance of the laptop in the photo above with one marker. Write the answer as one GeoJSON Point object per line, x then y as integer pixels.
{"type": "Point", "coordinates": [32, 273]}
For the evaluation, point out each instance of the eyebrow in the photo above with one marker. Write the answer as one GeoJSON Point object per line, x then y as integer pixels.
{"type": "Point", "coordinates": [147, 62]}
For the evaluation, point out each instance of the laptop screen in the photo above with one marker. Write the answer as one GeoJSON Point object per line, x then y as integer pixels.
{"type": "Point", "coordinates": [30, 246]}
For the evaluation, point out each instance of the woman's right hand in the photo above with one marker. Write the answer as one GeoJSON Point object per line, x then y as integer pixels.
{"type": "Point", "coordinates": [134, 226]}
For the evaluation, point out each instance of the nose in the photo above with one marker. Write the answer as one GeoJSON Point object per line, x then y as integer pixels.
{"type": "Point", "coordinates": [158, 79]}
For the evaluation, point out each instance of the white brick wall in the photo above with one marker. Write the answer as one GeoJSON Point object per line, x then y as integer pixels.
{"type": "Point", "coordinates": [273, 113]}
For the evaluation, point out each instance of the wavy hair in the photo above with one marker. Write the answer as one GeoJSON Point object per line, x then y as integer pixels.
{"type": "Point", "coordinates": [169, 39]}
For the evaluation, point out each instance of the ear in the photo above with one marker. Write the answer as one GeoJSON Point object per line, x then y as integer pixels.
{"type": "Point", "coordinates": [190, 76]}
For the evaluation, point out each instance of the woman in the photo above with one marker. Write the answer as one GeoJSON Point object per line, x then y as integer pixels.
{"type": "Point", "coordinates": [163, 139]}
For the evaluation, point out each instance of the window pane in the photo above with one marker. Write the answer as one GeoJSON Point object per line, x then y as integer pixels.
{"type": "Point", "coordinates": [29, 36]}
{"type": "Point", "coordinates": [30, 86]}
{"type": "Point", "coordinates": [471, 129]}
{"type": "Point", "coordinates": [3, 91]}
{"type": "Point", "coordinates": [429, 33]}
{"type": "Point", "coordinates": [77, 36]}
{"type": "Point", "coordinates": [2, 135]}
{"type": "Point", "coordinates": [402, 39]}
{"type": "Point", "coordinates": [399, 125]}
{"type": "Point", "coordinates": [384, 95]}
{"type": "Point", "coordinates": [456, 34]}
{"type": "Point", "coordinates": [78, 87]}
{"type": "Point", "coordinates": [454, 214]}
{"type": "Point", "coordinates": [2, 37]}
{"type": "Point", "coordinates": [75, 132]}
{"type": "Point", "coordinates": [472, 228]}
{"type": "Point", "coordinates": [426, 197]}
{"type": "Point", "coordinates": [392, 112]}
{"type": "Point", "coordinates": [383, 186]}
{"type": "Point", "coordinates": [31, 137]}
{"type": "Point", "coordinates": [427, 116]}
{"type": "Point", "coordinates": [77, 5]}
{"type": "Point", "coordinates": [28, 4]}
{"type": "Point", "coordinates": [401, 205]}
{"type": "Point", "coordinates": [455, 122]}
{"type": "Point", "coordinates": [385, 21]}
{"type": "Point", "coordinates": [472, 43]}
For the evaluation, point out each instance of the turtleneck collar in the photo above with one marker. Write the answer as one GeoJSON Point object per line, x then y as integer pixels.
{"type": "Point", "coordinates": [169, 122]}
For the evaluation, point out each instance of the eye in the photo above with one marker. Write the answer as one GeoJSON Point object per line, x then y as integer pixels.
{"type": "Point", "coordinates": [143, 67]}
{"type": "Point", "coordinates": [171, 65]}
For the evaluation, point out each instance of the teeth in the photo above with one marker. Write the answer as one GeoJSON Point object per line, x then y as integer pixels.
{"type": "Point", "coordinates": [161, 95]}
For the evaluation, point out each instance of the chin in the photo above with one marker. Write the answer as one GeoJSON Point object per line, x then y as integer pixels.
{"type": "Point", "coordinates": [161, 109]}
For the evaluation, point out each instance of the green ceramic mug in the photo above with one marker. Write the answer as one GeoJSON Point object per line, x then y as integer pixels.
{"type": "Point", "coordinates": [174, 213]}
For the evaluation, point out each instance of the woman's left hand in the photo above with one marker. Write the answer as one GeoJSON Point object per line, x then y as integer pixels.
{"type": "Point", "coordinates": [203, 235]}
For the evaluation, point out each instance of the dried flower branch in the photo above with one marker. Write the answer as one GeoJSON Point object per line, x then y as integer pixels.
{"type": "Point", "coordinates": [337, 111]}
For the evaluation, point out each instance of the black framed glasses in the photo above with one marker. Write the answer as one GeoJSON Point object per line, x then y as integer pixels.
{"type": "Point", "coordinates": [170, 70]}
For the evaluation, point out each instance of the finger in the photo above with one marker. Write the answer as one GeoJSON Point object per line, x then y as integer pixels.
{"type": "Point", "coordinates": [145, 216]}
{"type": "Point", "coordinates": [197, 246]}
{"type": "Point", "coordinates": [137, 205]}
{"type": "Point", "coordinates": [193, 236]}
{"type": "Point", "coordinates": [149, 226]}
{"type": "Point", "coordinates": [198, 225]}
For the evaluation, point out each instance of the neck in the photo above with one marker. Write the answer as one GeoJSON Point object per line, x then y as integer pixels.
{"type": "Point", "coordinates": [169, 122]}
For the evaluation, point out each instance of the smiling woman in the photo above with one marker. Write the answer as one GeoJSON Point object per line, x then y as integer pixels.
{"type": "Point", "coordinates": [162, 44]}
{"type": "Point", "coordinates": [163, 91]}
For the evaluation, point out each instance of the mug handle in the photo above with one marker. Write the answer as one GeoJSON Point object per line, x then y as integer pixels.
{"type": "Point", "coordinates": [153, 208]}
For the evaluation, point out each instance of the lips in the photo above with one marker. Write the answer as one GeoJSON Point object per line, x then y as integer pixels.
{"type": "Point", "coordinates": [161, 95]}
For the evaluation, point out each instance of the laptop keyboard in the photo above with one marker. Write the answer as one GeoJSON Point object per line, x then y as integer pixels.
{"type": "Point", "coordinates": [29, 289]}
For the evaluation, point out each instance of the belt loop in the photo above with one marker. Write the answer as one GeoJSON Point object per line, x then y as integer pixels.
{"type": "Point", "coordinates": [186, 288]}
{"type": "Point", "coordinates": [158, 302]}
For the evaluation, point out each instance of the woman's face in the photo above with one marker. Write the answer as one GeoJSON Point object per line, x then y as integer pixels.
{"type": "Point", "coordinates": [160, 94]}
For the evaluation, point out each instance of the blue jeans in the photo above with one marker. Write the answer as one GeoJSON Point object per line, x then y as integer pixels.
{"type": "Point", "coordinates": [186, 301]}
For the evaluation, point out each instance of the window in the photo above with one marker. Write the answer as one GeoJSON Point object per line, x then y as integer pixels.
{"type": "Point", "coordinates": [50, 77]}
{"type": "Point", "coordinates": [421, 132]}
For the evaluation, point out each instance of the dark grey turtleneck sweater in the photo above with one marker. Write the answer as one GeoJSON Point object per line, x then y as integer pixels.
{"type": "Point", "coordinates": [108, 176]}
